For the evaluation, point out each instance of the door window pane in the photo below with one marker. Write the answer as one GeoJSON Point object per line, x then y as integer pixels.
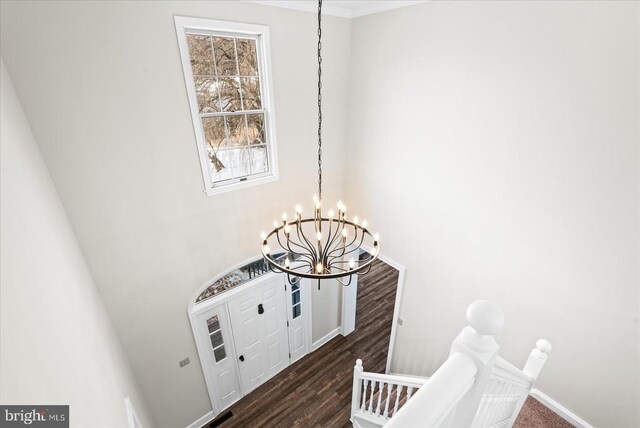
{"type": "Point", "coordinates": [219, 354]}
{"type": "Point", "coordinates": [215, 336]}
{"type": "Point", "coordinates": [296, 311]}
{"type": "Point", "coordinates": [213, 324]}
{"type": "Point", "coordinates": [216, 339]}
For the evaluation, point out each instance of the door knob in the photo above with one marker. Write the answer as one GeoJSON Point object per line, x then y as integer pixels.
{"type": "Point", "coordinates": [260, 309]}
{"type": "Point", "coordinates": [241, 357]}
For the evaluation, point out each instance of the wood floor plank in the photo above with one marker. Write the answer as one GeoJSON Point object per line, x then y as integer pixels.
{"type": "Point", "coordinates": [315, 391]}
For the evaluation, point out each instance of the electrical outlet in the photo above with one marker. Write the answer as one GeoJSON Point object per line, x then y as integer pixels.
{"type": "Point", "coordinates": [400, 321]}
{"type": "Point", "coordinates": [184, 362]}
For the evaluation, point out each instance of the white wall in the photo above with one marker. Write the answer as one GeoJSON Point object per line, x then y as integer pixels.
{"type": "Point", "coordinates": [326, 308]}
{"type": "Point", "coordinates": [102, 85]}
{"type": "Point", "coordinates": [57, 344]}
{"type": "Point", "coordinates": [500, 144]}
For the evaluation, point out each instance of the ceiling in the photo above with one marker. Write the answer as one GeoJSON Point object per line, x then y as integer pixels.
{"type": "Point", "coordinates": [343, 8]}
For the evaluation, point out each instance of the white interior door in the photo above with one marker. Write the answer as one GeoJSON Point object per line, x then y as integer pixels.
{"type": "Point", "coordinates": [260, 332]}
{"type": "Point", "coordinates": [298, 337]}
{"type": "Point", "coordinates": [215, 346]}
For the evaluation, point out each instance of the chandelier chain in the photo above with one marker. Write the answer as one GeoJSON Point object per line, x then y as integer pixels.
{"type": "Point", "coordinates": [320, 99]}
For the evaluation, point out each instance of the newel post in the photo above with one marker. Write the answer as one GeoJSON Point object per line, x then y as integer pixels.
{"type": "Point", "coordinates": [532, 368]}
{"type": "Point", "coordinates": [477, 341]}
{"type": "Point", "coordinates": [537, 358]}
{"type": "Point", "coordinates": [357, 388]}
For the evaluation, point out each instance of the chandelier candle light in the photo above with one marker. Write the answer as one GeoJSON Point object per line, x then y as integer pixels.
{"type": "Point", "coordinates": [323, 246]}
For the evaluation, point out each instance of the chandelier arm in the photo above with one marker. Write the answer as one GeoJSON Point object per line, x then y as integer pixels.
{"type": "Point", "coordinates": [303, 264]}
{"type": "Point", "coordinates": [286, 248]}
{"type": "Point", "coordinates": [347, 283]}
{"type": "Point", "coordinates": [345, 245]}
{"type": "Point", "coordinates": [338, 235]}
{"type": "Point", "coordinates": [290, 249]}
{"type": "Point", "coordinates": [356, 248]}
{"type": "Point", "coordinates": [330, 235]}
{"type": "Point", "coordinates": [355, 237]}
{"type": "Point", "coordinates": [293, 282]}
{"type": "Point", "coordinates": [366, 271]}
{"type": "Point", "coordinates": [310, 248]}
{"type": "Point", "coordinates": [272, 267]}
{"type": "Point", "coordinates": [339, 261]}
{"type": "Point", "coordinates": [301, 268]}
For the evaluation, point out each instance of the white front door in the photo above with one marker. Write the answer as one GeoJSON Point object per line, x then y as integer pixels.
{"type": "Point", "coordinates": [260, 332]}
{"type": "Point", "coordinates": [217, 355]}
{"type": "Point", "coordinates": [298, 337]}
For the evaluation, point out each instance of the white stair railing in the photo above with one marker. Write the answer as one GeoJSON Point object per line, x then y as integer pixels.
{"type": "Point", "coordinates": [508, 388]}
{"type": "Point", "coordinates": [474, 387]}
{"type": "Point", "coordinates": [377, 397]}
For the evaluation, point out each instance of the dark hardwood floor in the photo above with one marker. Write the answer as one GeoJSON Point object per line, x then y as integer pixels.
{"type": "Point", "coordinates": [316, 390]}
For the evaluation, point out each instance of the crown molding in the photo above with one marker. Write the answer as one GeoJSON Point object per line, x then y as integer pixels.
{"type": "Point", "coordinates": [337, 8]}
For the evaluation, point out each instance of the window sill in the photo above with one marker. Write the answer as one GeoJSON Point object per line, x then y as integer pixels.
{"type": "Point", "coordinates": [211, 191]}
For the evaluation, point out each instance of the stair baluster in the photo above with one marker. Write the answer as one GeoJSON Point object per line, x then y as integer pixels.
{"type": "Point", "coordinates": [364, 394]}
{"type": "Point", "coordinates": [409, 392]}
{"type": "Point", "coordinates": [373, 383]}
{"type": "Point", "coordinates": [386, 402]}
{"type": "Point", "coordinates": [380, 389]}
{"type": "Point", "coordinates": [398, 393]}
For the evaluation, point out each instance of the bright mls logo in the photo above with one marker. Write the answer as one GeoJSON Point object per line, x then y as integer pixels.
{"type": "Point", "coordinates": [34, 416]}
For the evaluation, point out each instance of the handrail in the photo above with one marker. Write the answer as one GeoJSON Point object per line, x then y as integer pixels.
{"type": "Point", "coordinates": [511, 373]}
{"type": "Point", "coordinates": [404, 380]}
{"type": "Point", "coordinates": [435, 400]}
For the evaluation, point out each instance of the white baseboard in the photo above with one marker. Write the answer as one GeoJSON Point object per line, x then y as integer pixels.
{"type": "Point", "coordinates": [201, 421]}
{"type": "Point", "coordinates": [562, 411]}
{"type": "Point", "coordinates": [327, 337]}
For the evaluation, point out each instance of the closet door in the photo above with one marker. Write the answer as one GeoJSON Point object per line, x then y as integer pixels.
{"type": "Point", "coordinates": [218, 356]}
{"type": "Point", "coordinates": [259, 324]}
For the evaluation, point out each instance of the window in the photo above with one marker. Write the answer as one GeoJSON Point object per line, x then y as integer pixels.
{"type": "Point", "coordinates": [215, 335]}
{"type": "Point", "coordinates": [295, 300]}
{"type": "Point", "coordinates": [227, 73]}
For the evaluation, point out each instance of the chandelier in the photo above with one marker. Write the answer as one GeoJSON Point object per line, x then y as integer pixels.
{"type": "Point", "coordinates": [325, 245]}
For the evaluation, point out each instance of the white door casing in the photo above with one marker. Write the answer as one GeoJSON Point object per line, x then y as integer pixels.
{"type": "Point", "coordinates": [259, 324]}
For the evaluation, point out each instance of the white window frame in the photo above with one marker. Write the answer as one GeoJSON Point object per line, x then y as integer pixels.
{"type": "Point", "coordinates": [263, 51]}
